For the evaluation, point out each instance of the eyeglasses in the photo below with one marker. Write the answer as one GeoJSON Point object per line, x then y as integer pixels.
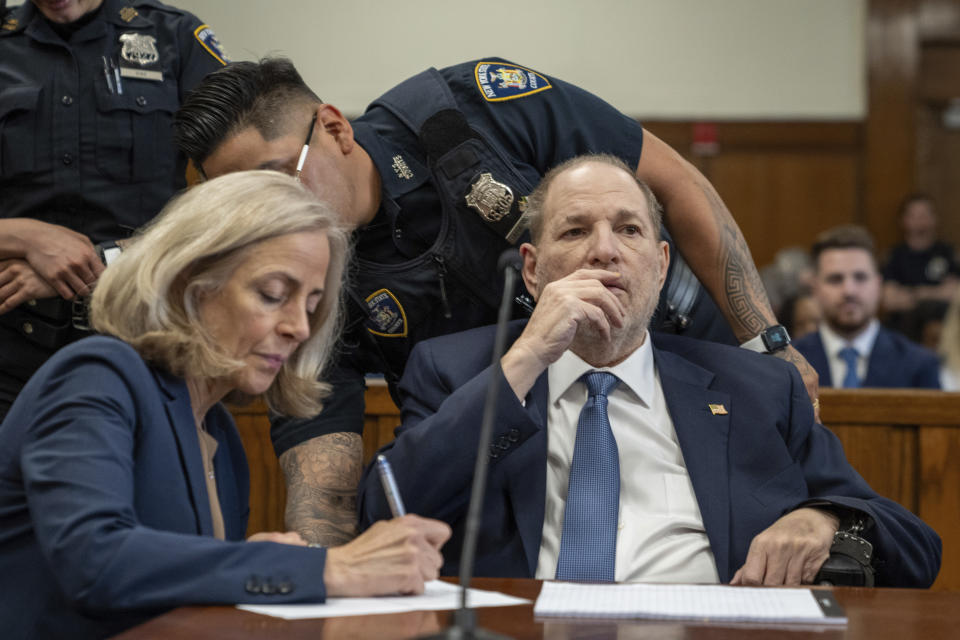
{"type": "Point", "coordinates": [306, 147]}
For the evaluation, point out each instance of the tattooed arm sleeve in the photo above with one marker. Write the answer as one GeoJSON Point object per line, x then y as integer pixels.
{"type": "Point", "coordinates": [712, 244]}
{"type": "Point", "coordinates": [322, 476]}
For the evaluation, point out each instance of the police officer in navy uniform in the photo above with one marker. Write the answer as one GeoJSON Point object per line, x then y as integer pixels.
{"type": "Point", "coordinates": [433, 176]}
{"type": "Point", "coordinates": [88, 90]}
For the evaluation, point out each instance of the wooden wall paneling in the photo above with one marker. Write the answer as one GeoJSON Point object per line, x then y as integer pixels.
{"type": "Point", "coordinates": [926, 424]}
{"type": "Point", "coordinates": [938, 147]}
{"type": "Point", "coordinates": [890, 135]}
{"type": "Point", "coordinates": [938, 159]}
{"type": "Point", "coordinates": [783, 181]}
{"type": "Point", "coordinates": [382, 417]}
{"type": "Point", "coordinates": [783, 199]}
{"type": "Point", "coordinates": [939, 19]}
{"type": "Point", "coordinates": [938, 79]}
{"type": "Point", "coordinates": [268, 490]}
{"type": "Point", "coordinates": [886, 456]}
{"type": "Point", "coordinates": [939, 496]}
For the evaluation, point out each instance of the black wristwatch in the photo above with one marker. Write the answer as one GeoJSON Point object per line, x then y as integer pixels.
{"type": "Point", "coordinates": [770, 340]}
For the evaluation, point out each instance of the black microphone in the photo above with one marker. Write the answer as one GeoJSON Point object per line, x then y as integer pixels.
{"type": "Point", "coordinates": [509, 259]}
{"type": "Point", "coordinates": [464, 618]}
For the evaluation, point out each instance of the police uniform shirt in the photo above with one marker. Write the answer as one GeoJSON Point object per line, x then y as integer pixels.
{"type": "Point", "coordinates": [534, 120]}
{"type": "Point", "coordinates": [930, 266]}
{"type": "Point", "coordinates": [86, 123]}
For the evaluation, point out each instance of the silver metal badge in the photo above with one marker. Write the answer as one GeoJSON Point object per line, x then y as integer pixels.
{"type": "Point", "coordinates": [401, 168]}
{"type": "Point", "coordinates": [139, 49]}
{"type": "Point", "coordinates": [490, 198]}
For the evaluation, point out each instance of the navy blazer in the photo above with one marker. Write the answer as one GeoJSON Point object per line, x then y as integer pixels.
{"type": "Point", "coordinates": [894, 361]}
{"type": "Point", "coordinates": [762, 459]}
{"type": "Point", "coordinates": [106, 518]}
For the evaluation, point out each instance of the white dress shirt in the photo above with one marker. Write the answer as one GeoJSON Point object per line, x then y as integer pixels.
{"type": "Point", "coordinates": [660, 537]}
{"type": "Point", "coordinates": [863, 343]}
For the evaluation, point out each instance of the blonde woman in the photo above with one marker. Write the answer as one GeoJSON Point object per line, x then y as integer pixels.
{"type": "Point", "coordinates": [123, 483]}
{"type": "Point", "coordinates": [949, 348]}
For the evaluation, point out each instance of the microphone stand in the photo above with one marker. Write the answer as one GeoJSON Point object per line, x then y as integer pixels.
{"type": "Point", "coordinates": [465, 619]}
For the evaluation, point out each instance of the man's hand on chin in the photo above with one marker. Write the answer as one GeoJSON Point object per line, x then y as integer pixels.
{"type": "Point", "coordinates": [562, 307]}
{"type": "Point", "coordinates": [791, 550]}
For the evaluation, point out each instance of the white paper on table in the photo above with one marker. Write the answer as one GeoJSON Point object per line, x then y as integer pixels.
{"type": "Point", "coordinates": [688, 602]}
{"type": "Point", "coordinates": [437, 596]}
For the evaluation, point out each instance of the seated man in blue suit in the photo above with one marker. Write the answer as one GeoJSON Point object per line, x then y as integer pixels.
{"type": "Point", "coordinates": [851, 349]}
{"type": "Point", "coordinates": [620, 454]}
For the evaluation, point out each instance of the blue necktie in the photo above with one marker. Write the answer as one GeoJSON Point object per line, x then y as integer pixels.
{"type": "Point", "coordinates": [589, 541]}
{"type": "Point", "coordinates": [851, 380]}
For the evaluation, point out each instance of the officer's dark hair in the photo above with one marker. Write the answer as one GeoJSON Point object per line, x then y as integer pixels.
{"type": "Point", "coordinates": [847, 236]}
{"type": "Point", "coordinates": [912, 198]}
{"type": "Point", "coordinates": [240, 95]}
{"type": "Point", "coordinates": [536, 199]}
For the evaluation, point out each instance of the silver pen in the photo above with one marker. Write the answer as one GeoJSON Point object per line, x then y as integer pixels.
{"type": "Point", "coordinates": [106, 74]}
{"type": "Point", "coordinates": [116, 75]}
{"type": "Point", "coordinates": [390, 487]}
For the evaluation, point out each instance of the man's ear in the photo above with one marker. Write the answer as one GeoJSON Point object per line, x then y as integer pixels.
{"type": "Point", "coordinates": [335, 124]}
{"type": "Point", "coordinates": [529, 254]}
{"type": "Point", "coordinates": [664, 257]}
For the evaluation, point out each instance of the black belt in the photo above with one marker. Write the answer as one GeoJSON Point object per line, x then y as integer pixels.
{"type": "Point", "coordinates": [48, 322]}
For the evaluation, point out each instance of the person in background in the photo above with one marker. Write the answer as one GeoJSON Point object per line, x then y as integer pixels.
{"type": "Point", "coordinates": [435, 176]}
{"type": "Point", "coordinates": [621, 454]}
{"type": "Point", "coordinates": [922, 267]}
{"type": "Point", "coordinates": [800, 314]}
{"type": "Point", "coordinates": [788, 275]}
{"type": "Point", "coordinates": [851, 349]}
{"type": "Point", "coordinates": [88, 89]}
{"type": "Point", "coordinates": [124, 482]}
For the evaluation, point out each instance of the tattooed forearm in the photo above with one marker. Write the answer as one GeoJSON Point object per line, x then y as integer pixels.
{"type": "Point", "coordinates": [322, 477]}
{"type": "Point", "coordinates": [748, 310]}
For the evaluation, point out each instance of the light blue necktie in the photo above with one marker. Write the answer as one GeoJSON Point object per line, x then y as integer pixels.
{"type": "Point", "coordinates": [589, 541]}
{"type": "Point", "coordinates": [851, 380]}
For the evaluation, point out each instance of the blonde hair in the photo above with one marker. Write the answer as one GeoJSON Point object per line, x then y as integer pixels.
{"type": "Point", "coordinates": [149, 296]}
{"type": "Point", "coordinates": [949, 347]}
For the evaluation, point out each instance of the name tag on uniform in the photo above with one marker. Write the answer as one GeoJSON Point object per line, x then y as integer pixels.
{"type": "Point", "coordinates": [141, 74]}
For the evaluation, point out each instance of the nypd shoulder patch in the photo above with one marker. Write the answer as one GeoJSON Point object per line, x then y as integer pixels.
{"type": "Point", "coordinates": [500, 81]}
{"type": "Point", "coordinates": [206, 37]}
{"type": "Point", "coordinates": [387, 317]}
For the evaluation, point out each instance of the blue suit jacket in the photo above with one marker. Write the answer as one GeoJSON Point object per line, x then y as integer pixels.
{"type": "Point", "coordinates": [894, 362]}
{"type": "Point", "coordinates": [764, 458]}
{"type": "Point", "coordinates": [105, 512]}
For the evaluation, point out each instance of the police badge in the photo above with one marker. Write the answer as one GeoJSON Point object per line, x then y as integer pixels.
{"type": "Point", "coordinates": [491, 199]}
{"type": "Point", "coordinates": [139, 49]}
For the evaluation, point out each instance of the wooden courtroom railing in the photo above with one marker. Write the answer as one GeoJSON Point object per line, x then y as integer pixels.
{"type": "Point", "coordinates": [904, 442]}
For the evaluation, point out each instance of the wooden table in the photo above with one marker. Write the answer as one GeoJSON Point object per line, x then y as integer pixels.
{"type": "Point", "coordinates": [877, 614]}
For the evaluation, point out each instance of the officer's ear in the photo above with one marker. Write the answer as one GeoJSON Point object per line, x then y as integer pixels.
{"type": "Point", "coordinates": [529, 254]}
{"type": "Point", "coordinates": [335, 124]}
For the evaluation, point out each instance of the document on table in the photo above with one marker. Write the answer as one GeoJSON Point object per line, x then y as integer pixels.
{"type": "Point", "coordinates": [688, 602]}
{"type": "Point", "coordinates": [437, 595]}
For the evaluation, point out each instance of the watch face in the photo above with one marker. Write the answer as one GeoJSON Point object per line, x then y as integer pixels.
{"type": "Point", "coordinates": [776, 338]}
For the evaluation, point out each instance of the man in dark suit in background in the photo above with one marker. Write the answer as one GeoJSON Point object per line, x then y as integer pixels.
{"type": "Point", "coordinates": [689, 461]}
{"type": "Point", "coordinates": [851, 349]}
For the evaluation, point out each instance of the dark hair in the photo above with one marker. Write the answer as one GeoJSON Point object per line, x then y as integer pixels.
{"type": "Point", "coordinates": [240, 95]}
{"type": "Point", "coordinates": [848, 236]}
{"type": "Point", "coordinates": [537, 198]}
{"type": "Point", "coordinates": [917, 196]}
